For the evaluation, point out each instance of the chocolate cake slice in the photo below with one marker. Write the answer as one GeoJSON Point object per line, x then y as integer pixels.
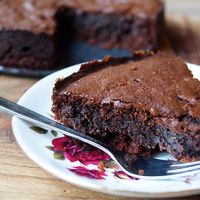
{"type": "Point", "coordinates": [128, 25]}
{"type": "Point", "coordinates": [34, 34]}
{"type": "Point", "coordinates": [137, 105]}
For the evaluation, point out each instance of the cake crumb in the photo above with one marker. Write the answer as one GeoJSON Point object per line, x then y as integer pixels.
{"type": "Point", "coordinates": [141, 172]}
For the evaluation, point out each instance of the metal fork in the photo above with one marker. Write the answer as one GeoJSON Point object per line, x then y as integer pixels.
{"type": "Point", "coordinates": [149, 168]}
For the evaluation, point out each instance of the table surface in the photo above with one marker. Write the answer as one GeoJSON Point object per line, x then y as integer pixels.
{"type": "Point", "coordinates": [20, 178]}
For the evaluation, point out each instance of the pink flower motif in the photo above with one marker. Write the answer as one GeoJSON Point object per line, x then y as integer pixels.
{"type": "Point", "coordinates": [92, 157]}
{"type": "Point", "coordinates": [123, 175]}
{"type": "Point", "coordinates": [90, 173]}
{"type": "Point", "coordinates": [59, 144]}
{"type": "Point", "coordinates": [86, 154]}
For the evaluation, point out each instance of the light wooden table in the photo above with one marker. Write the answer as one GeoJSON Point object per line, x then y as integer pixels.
{"type": "Point", "coordinates": [20, 178]}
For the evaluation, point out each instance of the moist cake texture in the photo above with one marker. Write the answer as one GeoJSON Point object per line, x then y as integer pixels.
{"type": "Point", "coordinates": [138, 105]}
{"type": "Point", "coordinates": [31, 30]}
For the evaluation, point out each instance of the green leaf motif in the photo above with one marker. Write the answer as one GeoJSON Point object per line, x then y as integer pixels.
{"type": "Point", "coordinates": [39, 130]}
{"type": "Point", "coordinates": [58, 155]}
{"type": "Point", "coordinates": [54, 133]}
{"type": "Point", "coordinates": [50, 148]}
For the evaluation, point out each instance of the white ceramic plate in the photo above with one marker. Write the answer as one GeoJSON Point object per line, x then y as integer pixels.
{"type": "Point", "coordinates": [81, 172]}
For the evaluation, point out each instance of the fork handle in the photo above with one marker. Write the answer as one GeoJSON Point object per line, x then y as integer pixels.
{"type": "Point", "coordinates": [36, 118]}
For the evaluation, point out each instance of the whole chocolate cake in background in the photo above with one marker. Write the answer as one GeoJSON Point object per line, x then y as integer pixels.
{"type": "Point", "coordinates": [139, 105]}
{"type": "Point", "coordinates": [47, 34]}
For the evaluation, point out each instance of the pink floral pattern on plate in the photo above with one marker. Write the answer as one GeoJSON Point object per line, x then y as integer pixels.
{"type": "Point", "coordinates": [90, 173]}
{"type": "Point", "coordinates": [86, 160]}
{"type": "Point", "coordinates": [83, 153]}
{"type": "Point", "coordinates": [73, 150]}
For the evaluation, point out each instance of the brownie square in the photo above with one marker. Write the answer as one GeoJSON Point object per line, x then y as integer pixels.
{"type": "Point", "coordinates": [141, 104]}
